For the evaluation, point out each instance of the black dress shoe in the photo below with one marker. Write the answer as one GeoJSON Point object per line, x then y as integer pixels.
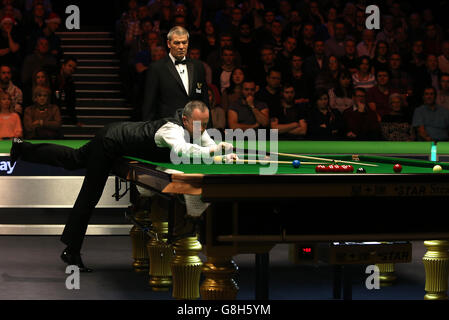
{"type": "Point", "coordinates": [74, 259]}
{"type": "Point", "coordinates": [16, 149]}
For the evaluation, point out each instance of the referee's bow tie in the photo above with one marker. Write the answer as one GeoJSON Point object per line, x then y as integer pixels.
{"type": "Point", "coordinates": [180, 62]}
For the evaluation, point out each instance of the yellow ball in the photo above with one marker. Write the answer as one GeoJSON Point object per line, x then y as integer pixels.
{"type": "Point", "coordinates": [437, 168]}
{"type": "Point", "coordinates": [218, 159]}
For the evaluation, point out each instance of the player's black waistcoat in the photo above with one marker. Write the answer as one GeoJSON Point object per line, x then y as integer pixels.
{"type": "Point", "coordinates": [136, 139]}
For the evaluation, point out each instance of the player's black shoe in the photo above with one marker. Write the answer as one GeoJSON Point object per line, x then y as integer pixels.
{"type": "Point", "coordinates": [16, 149]}
{"type": "Point", "coordinates": [74, 259]}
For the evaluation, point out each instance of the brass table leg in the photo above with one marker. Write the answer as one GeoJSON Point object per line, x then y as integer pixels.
{"type": "Point", "coordinates": [386, 274]}
{"type": "Point", "coordinates": [161, 254]}
{"type": "Point", "coordinates": [139, 241]}
{"type": "Point", "coordinates": [436, 264]}
{"type": "Point", "coordinates": [186, 269]}
{"type": "Point", "coordinates": [219, 283]}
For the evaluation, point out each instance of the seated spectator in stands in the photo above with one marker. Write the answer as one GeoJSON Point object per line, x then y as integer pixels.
{"type": "Point", "coordinates": [270, 93]}
{"type": "Point", "coordinates": [221, 77]}
{"type": "Point", "coordinates": [377, 97]}
{"type": "Point", "coordinates": [248, 113]}
{"type": "Point", "coordinates": [303, 86]}
{"type": "Point", "coordinates": [46, 4]}
{"type": "Point", "coordinates": [399, 79]}
{"type": "Point", "coordinates": [10, 124]}
{"type": "Point", "coordinates": [40, 59]}
{"type": "Point", "coordinates": [431, 120]}
{"type": "Point", "coordinates": [52, 24]}
{"type": "Point", "coordinates": [267, 62]}
{"type": "Point", "coordinates": [328, 77]}
{"type": "Point", "coordinates": [284, 57]}
{"type": "Point", "coordinates": [443, 91]}
{"type": "Point", "coordinates": [195, 53]}
{"type": "Point", "coordinates": [246, 46]}
{"type": "Point", "coordinates": [33, 24]}
{"type": "Point", "coordinates": [9, 43]}
{"type": "Point", "coordinates": [417, 56]}
{"type": "Point", "coordinates": [443, 59]}
{"type": "Point", "coordinates": [426, 76]}
{"type": "Point", "coordinates": [42, 120]}
{"type": "Point", "coordinates": [349, 60]}
{"type": "Point", "coordinates": [134, 27]}
{"type": "Point", "coordinates": [315, 63]}
{"type": "Point", "coordinates": [214, 59]}
{"type": "Point", "coordinates": [335, 45]}
{"type": "Point", "coordinates": [40, 78]}
{"type": "Point", "coordinates": [395, 125]}
{"type": "Point", "coordinates": [65, 90]}
{"type": "Point", "coordinates": [368, 44]}
{"type": "Point", "coordinates": [218, 114]}
{"type": "Point", "coordinates": [432, 39]}
{"type": "Point", "coordinates": [380, 60]}
{"type": "Point", "coordinates": [340, 97]}
{"type": "Point", "coordinates": [360, 122]}
{"type": "Point", "coordinates": [306, 42]}
{"type": "Point", "coordinates": [233, 93]}
{"type": "Point", "coordinates": [289, 118]}
{"type": "Point", "coordinates": [363, 78]}
{"type": "Point", "coordinates": [323, 123]}
{"type": "Point", "coordinates": [7, 86]}
{"type": "Point", "coordinates": [9, 10]}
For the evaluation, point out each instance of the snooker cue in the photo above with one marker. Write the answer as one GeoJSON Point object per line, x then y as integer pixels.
{"type": "Point", "coordinates": [323, 159]}
{"type": "Point", "coordinates": [221, 158]}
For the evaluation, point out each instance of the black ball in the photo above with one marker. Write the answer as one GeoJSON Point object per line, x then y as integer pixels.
{"type": "Point", "coordinates": [361, 170]}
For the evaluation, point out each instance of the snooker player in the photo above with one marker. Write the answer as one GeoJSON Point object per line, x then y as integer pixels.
{"type": "Point", "coordinates": [152, 140]}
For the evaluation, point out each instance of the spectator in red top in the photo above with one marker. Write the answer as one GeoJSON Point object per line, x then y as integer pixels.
{"type": "Point", "coordinates": [377, 97]}
{"type": "Point", "coordinates": [10, 125]}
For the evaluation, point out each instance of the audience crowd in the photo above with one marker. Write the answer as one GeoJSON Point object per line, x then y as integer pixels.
{"type": "Point", "coordinates": [310, 69]}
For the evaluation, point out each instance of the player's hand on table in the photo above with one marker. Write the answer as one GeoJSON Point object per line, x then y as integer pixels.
{"type": "Point", "coordinates": [231, 157]}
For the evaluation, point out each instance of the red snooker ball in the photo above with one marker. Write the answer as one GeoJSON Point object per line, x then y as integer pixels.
{"type": "Point", "coordinates": [397, 168]}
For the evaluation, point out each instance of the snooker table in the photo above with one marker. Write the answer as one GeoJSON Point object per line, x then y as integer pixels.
{"type": "Point", "coordinates": [238, 210]}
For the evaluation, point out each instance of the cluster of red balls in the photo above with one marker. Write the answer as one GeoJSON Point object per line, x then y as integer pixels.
{"type": "Point", "coordinates": [335, 168]}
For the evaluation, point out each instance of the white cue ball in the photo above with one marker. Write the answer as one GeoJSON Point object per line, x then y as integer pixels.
{"type": "Point", "coordinates": [218, 159]}
{"type": "Point", "coordinates": [437, 168]}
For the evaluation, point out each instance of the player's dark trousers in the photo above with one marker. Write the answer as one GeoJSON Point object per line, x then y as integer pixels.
{"type": "Point", "coordinates": [98, 163]}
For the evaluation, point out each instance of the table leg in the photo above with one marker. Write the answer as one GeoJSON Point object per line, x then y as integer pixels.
{"type": "Point", "coordinates": [436, 264]}
{"type": "Point", "coordinates": [186, 268]}
{"type": "Point", "coordinates": [387, 274]}
{"type": "Point", "coordinates": [219, 283]}
{"type": "Point", "coordinates": [161, 254]}
{"type": "Point", "coordinates": [262, 276]}
{"type": "Point", "coordinates": [139, 240]}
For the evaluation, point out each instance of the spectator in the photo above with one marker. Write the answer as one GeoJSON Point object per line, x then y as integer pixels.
{"type": "Point", "coordinates": [443, 59]}
{"type": "Point", "coordinates": [360, 122]}
{"type": "Point", "coordinates": [218, 114]}
{"type": "Point", "coordinates": [268, 61]}
{"type": "Point", "coordinates": [443, 92]}
{"type": "Point", "coordinates": [284, 57]}
{"type": "Point", "coordinates": [431, 120]}
{"type": "Point", "coordinates": [289, 118]}
{"type": "Point", "coordinates": [208, 40]}
{"type": "Point", "coordinates": [275, 37]}
{"type": "Point", "coordinates": [323, 123]}
{"type": "Point", "coordinates": [340, 97]}
{"type": "Point", "coordinates": [302, 85]}
{"type": "Point", "coordinates": [428, 75]}
{"type": "Point", "coordinates": [248, 113]}
{"type": "Point", "coordinates": [270, 93]}
{"type": "Point", "coordinates": [40, 78]}
{"type": "Point", "coordinates": [315, 63]}
{"type": "Point", "coordinates": [40, 59]}
{"type": "Point", "coordinates": [377, 97]}
{"type": "Point", "coordinates": [9, 10]}
{"type": "Point", "coordinates": [395, 125]}
{"type": "Point", "coordinates": [380, 61]}
{"type": "Point", "coordinates": [368, 44]}
{"type": "Point", "coordinates": [432, 40]}
{"type": "Point", "coordinates": [246, 45]}
{"type": "Point", "coordinates": [7, 86]}
{"type": "Point", "coordinates": [233, 93]}
{"type": "Point", "coordinates": [417, 57]}
{"type": "Point", "coordinates": [222, 75]}
{"type": "Point", "coordinates": [399, 79]}
{"type": "Point", "coordinates": [387, 33]}
{"type": "Point", "coordinates": [195, 53]}
{"type": "Point", "coordinates": [328, 77]}
{"type": "Point", "coordinates": [214, 59]}
{"type": "Point", "coordinates": [415, 27]}
{"type": "Point", "coordinates": [306, 42]}
{"type": "Point", "coordinates": [65, 90]}
{"type": "Point", "coordinates": [33, 25]}
{"type": "Point", "coordinates": [49, 31]}
{"type": "Point", "coordinates": [363, 78]}
{"type": "Point", "coordinates": [10, 124]}
{"type": "Point", "coordinates": [350, 61]}
{"type": "Point", "coordinates": [335, 45]}
{"type": "Point", "coordinates": [9, 42]}
{"type": "Point", "coordinates": [42, 120]}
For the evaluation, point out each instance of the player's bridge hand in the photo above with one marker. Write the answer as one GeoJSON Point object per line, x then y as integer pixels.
{"type": "Point", "coordinates": [231, 158]}
{"type": "Point", "coordinates": [222, 146]}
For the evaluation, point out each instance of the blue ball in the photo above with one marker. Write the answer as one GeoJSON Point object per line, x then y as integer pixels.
{"type": "Point", "coordinates": [296, 163]}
